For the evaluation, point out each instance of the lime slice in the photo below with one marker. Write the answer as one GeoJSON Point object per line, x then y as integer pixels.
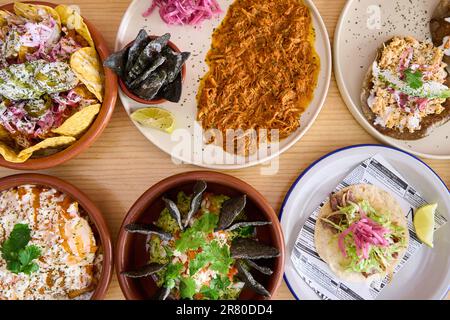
{"type": "Point", "coordinates": [156, 118]}
{"type": "Point", "coordinates": [424, 223]}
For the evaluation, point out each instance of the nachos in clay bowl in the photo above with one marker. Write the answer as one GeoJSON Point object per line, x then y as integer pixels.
{"type": "Point", "coordinates": [55, 97]}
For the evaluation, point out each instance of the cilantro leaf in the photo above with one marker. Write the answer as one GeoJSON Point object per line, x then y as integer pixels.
{"type": "Point", "coordinates": [18, 256]}
{"type": "Point", "coordinates": [210, 293]}
{"type": "Point", "coordinates": [27, 255]}
{"type": "Point", "coordinates": [207, 223]}
{"type": "Point", "coordinates": [187, 288]}
{"type": "Point", "coordinates": [20, 235]}
{"type": "Point", "coordinates": [220, 258]}
{"type": "Point", "coordinates": [200, 260]}
{"type": "Point", "coordinates": [414, 79]}
{"type": "Point", "coordinates": [30, 268]}
{"type": "Point", "coordinates": [190, 240]}
{"type": "Point", "coordinates": [221, 283]}
{"type": "Point", "coordinates": [18, 239]}
{"type": "Point", "coordinates": [172, 273]}
{"type": "Point", "coordinates": [13, 266]}
{"type": "Point", "coordinates": [195, 237]}
{"type": "Point", "coordinates": [8, 251]}
{"type": "Point", "coordinates": [217, 288]}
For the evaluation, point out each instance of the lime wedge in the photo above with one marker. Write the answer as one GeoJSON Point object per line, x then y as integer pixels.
{"type": "Point", "coordinates": [156, 118]}
{"type": "Point", "coordinates": [424, 223]}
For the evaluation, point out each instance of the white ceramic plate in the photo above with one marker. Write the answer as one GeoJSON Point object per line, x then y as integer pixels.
{"type": "Point", "coordinates": [197, 40]}
{"type": "Point", "coordinates": [356, 43]}
{"type": "Point", "coordinates": [427, 274]}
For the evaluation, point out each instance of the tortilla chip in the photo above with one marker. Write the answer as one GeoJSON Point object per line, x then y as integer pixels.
{"type": "Point", "coordinates": [4, 134]}
{"type": "Point", "coordinates": [54, 142]}
{"type": "Point", "coordinates": [3, 16]}
{"type": "Point", "coordinates": [83, 91]}
{"type": "Point", "coordinates": [73, 21]}
{"type": "Point", "coordinates": [86, 65]}
{"type": "Point", "coordinates": [78, 122]}
{"type": "Point", "coordinates": [31, 11]}
{"type": "Point", "coordinates": [10, 156]}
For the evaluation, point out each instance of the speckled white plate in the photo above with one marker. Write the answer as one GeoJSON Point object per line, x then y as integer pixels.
{"type": "Point", "coordinates": [197, 40]}
{"type": "Point", "coordinates": [356, 43]}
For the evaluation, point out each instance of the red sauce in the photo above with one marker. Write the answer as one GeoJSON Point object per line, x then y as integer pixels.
{"type": "Point", "coordinates": [36, 203]}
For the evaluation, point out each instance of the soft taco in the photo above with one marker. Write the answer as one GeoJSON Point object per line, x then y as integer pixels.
{"type": "Point", "coordinates": [440, 28]}
{"type": "Point", "coordinates": [405, 92]}
{"type": "Point", "coordinates": [362, 233]}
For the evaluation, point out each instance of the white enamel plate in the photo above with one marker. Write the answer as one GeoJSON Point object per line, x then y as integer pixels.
{"type": "Point", "coordinates": [197, 40]}
{"type": "Point", "coordinates": [427, 274]}
{"type": "Point", "coordinates": [363, 27]}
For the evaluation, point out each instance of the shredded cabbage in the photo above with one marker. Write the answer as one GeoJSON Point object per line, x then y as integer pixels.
{"type": "Point", "coordinates": [368, 239]}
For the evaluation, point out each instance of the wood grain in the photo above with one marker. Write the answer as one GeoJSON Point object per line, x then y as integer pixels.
{"type": "Point", "coordinates": [122, 164]}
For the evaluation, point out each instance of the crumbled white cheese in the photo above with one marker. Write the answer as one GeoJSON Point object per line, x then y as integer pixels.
{"type": "Point", "coordinates": [203, 277]}
{"type": "Point", "coordinates": [414, 121]}
{"type": "Point", "coordinates": [383, 119]}
{"type": "Point", "coordinates": [371, 100]}
{"type": "Point", "coordinates": [221, 237]}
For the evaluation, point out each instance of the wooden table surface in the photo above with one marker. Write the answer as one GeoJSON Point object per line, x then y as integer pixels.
{"type": "Point", "coordinates": [122, 164]}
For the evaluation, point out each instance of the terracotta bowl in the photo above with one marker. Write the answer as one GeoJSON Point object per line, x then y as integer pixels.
{"type": "Point", "coordinates": [96, 128]}
{"type": "Point", "coordinates": [99, 225]}
{"type": "Point", "coordinates": [131, 95]}
{"type": "Point", "coordinates": [131, 251]}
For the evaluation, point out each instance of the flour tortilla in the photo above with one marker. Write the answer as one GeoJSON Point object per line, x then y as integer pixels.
{"type": "Point", "coordinates": [428, 123]}
{"type": "Point", "coordinates": [327, 242]}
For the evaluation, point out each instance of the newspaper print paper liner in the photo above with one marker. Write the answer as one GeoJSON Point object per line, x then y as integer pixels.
{"type": "Point", "coordinates": [430, 268]}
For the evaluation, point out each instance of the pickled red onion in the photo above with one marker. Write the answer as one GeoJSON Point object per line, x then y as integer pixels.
{"type": "Point", "coordinates": [191, 12]}
{"type": "Point", "coordinates": [366, 233]}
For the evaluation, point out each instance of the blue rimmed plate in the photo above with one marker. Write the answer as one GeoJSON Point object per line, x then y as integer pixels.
{"type": "Point", "coordinates": [427, 274]}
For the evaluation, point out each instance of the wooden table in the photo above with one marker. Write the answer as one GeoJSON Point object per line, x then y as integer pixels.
{"type": "Point", "coordinates": [122, 164]}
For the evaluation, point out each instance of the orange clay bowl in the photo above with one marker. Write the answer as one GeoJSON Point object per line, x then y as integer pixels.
{"type": "Point", "coordinates": [99, 124]}
{"type": "Point", "coordinates": [131, 251]}
{"type": "Point", "coordinates": [131, 95]}
{"type": "Point", "coordinates": [98, 224]}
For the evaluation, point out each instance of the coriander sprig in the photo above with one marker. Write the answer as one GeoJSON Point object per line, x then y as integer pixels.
{"type": "Point", "coordinates": [414, 79]}
{"type": "Point", "coordinates": [17, 253]}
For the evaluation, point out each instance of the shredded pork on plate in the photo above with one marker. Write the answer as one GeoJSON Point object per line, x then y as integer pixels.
{"type": "Point", "coordinates": [263, 68]}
